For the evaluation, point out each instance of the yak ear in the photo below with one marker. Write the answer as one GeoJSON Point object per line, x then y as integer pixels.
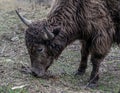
{"type": "Point", "coordinates": [56, 31]}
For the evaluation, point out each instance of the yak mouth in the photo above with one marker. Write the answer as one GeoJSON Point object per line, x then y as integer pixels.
{"type": "Point", "coordinates": [32, 71]}
{"type": "Point", "coordinates": [44, 74]}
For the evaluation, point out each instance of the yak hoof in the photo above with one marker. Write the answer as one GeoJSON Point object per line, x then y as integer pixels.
{"type": "Point", "coordinates": [92, 85]}
{"type": "Point", "coordinates": [80, 73]}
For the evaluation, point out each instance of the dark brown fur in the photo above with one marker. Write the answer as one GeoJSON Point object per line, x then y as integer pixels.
{"type": "Point", "coordinates": [94, 22]}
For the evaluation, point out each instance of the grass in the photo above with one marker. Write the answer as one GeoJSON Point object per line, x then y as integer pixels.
{"type": "Point", "coordinates": [14, 55]}
{"type": "Point", "coordinates": [5, 89]}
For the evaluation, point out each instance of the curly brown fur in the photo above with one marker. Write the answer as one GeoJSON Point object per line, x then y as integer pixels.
{"type": "Point", "coordinates": [95, 22]}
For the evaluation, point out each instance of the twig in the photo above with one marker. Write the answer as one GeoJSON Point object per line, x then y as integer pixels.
{"type": "Point", "coordinates": [3, 49]}
{"type": "Point", "coordinates": [19, 87]}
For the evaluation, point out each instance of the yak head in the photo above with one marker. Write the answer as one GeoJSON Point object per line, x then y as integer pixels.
{"type": "Point", "coordinates": [39, 38]}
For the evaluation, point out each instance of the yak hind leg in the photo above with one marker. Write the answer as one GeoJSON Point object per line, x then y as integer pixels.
{"type": "Point", "coordinates": [84, 58]}
{"type": "Point", "coordinates": [96, 59]}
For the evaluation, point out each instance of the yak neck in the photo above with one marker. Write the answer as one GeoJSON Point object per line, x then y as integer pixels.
{"type": "Point", "coordinates": [64, 14]}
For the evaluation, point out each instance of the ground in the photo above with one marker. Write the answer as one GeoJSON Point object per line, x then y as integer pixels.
{"type": "Point", "coordinates": [13, 55]}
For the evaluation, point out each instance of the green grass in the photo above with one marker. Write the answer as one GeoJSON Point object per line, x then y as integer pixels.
{"type": "Point", "coordinates": [5, 89]}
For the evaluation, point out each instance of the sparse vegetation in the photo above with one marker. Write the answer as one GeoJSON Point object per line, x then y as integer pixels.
{"type": "Point", "coordinates": [5, 89]}
{"type": "Point", "coordinates": [13, 56]}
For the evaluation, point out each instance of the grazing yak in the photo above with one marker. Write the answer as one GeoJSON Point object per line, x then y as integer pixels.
{"type": "Point", "coordinates": [96, 23]}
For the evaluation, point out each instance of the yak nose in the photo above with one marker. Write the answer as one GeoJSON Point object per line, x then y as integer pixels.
{"type": "Point", "coordinates": [37, 72]}
{"type": "Point", "coordinates": [34, 73]}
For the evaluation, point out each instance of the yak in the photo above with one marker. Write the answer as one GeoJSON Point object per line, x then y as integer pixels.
{"type": "Point", "coordinates": [95, 23]}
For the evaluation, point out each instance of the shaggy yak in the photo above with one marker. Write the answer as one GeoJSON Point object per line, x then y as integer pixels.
{"type": "Point", "coordinates": [94, 22]}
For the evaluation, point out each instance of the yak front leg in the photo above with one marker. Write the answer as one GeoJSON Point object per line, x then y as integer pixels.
{"type": "Point", "coordinates": [84, 59]}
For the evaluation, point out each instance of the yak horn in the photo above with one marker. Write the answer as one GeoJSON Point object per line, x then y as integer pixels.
{"type": "Point", "coordinates": [24, 20]}
{"type": "Point", "coordinates": [49, 34]}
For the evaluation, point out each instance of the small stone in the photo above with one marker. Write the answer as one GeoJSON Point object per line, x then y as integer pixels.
{"type": "Point", "coordinates": [15, 38]}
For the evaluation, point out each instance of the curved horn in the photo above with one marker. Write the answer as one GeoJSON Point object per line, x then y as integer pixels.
{"type": "Point", "coordinates": [24, 20]}
{"type": "Point", "coordinates": [49, 34]}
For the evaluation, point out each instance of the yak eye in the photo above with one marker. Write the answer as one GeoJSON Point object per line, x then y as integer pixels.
{"type": "Point", "coordinates": [39, 49]}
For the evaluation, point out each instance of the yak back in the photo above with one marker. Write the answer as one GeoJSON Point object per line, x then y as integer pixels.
{"type": "Point", "coordinates": [78, 6]}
